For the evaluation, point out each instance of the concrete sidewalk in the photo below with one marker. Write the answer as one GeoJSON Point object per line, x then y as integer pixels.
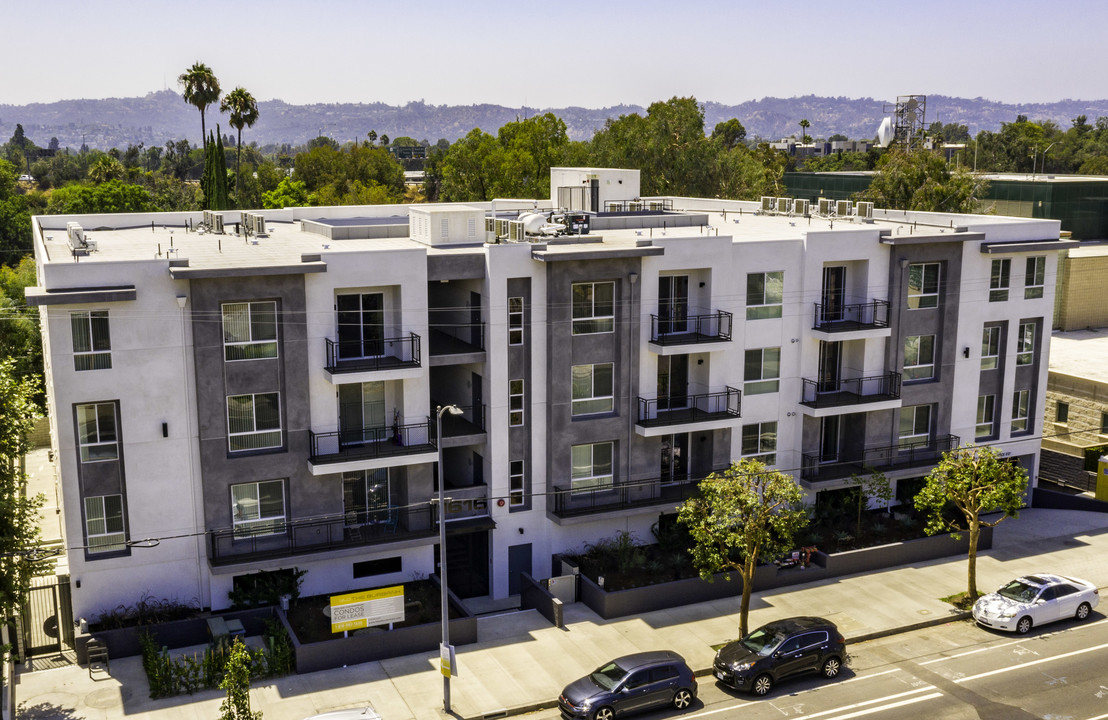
{"type": "Point", "coordinates": [522, 662]}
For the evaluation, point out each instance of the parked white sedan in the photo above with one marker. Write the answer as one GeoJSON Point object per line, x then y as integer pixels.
{"type": "Point", "coordinates": [1036, 600]}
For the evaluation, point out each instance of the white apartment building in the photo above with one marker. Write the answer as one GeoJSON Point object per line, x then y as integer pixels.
{"type": "Point", "coordinates": [223, 403]}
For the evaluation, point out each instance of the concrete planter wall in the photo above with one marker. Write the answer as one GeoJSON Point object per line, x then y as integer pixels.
{"type": "Point", "coordinates": [533, 596]}
{"type": "Point", "coordinates": [124, 642]}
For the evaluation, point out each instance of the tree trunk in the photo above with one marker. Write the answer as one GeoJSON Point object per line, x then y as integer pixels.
{"type": "Point", "coordinates": [748, 582]}
{"type": "Point", "coordinates": [974, 534]}
{"type": "Point", "coordinates": [238, 159]}
{"type": "Point", "coordinates": [203, 130]}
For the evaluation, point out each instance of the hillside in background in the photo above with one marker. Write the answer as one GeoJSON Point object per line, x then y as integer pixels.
{"type": "Point", "coordinates": [162, 116]}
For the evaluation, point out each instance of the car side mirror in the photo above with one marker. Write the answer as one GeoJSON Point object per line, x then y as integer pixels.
{"type": "Point", "coordinates": [1040, 601]}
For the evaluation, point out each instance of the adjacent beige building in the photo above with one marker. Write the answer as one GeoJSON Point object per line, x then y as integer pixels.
{"type": "Point", "coordinates": [1076, 412]}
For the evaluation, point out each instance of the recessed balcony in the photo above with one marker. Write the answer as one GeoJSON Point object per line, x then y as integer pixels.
{"type": "Point", "coordinates": [689, 412]}
{"type": "Point", "coordinates": [816, 468]}
{"type": "Point", "coordinates": [833, 397]}
{"type": "Point", "coordinates": [363, 361]}
{"type": "Point", "coordinates": [371, 447]}
{"type": "Point", "coordinates": [857, 321]}
{"type": "Point", "coordinates": [453, 344]}
{"type": "Point", "coordinates": [671, 335]}
{"type": "Point", "coordinates": [568, 503]}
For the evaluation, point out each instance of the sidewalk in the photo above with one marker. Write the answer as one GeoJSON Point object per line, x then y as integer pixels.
{"type": "Point", "coordinates": [522, 662]}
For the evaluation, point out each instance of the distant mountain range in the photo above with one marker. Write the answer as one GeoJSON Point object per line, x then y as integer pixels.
{"type": "Point", "coordinates": [162, 116]}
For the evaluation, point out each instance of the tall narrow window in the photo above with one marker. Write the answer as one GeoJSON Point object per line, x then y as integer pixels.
{"type": "Point", "coordinates": [762, 370]}
{"type": "Point", "coordinates": [104, 525]}
{"type": "Point", "coordinates": [1035, 277]}
{"type": "Point", "coordinates": [253, 421]}
{"type": "Point", "coordinates": [919, 357]}
{"type": "Point", "coordinates": [515, 403]}
{"type": "Point", "coordinates": [366, 497]}
{"type": "Point", "coordinates": [1021, 405]}
{"type": "Point", "coordinates": [923, 285]}
{"type": "Point", "coordinates": [515, 483]}
{"type": "Point", "coordinates": [92, 345]}
{"type": "Point", "coordinates": [515, 321]}
{"type": "Point", "coordinates": [990, 348]}
{"type": "Point", "coordinates": [592, 467]}
{"type": "Point", "coordinates": [258, 508]}
{"type": "Point", "coordinates": [915, 426]}
{"type": "Point", "coordinates": [593, 307]}
{"type": "Point", "coordinates": [1025, 344]}
{"type": "Point", "coordinates": [250, 330]}
{"type": "Point", "coordinates": [96, 432]}
{"type": "Point", "coordinates": [985, 407]}
{"type": "Point", "coordinates": [765, 293]}
{"type": "Point", "coordinates": [1062, 413]}
{"type": "Point", "coordinates": [759, 442]}
{"type": "Point", "coordinates": [999, 279]}
{"type": "Point", "coordinates": [592, 389]}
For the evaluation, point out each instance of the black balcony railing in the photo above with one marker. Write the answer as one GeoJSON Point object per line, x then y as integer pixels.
{"type": "Point", "coordinates": [457, 339]}
{"type": "Point", "coordinates": [683, 409]}
{"type": "Point", "coordinates": [850, 391]}
{"type": "Point", "coordinates": [622, 496]}
{"type": "Point", "coordinates": [470, 422]}
{"type": "Point", "coordinates": [387, 354]}
{"type": "Point", "coordinates": [843, 318]}
{"type": "Point", "coordinates": [884, 458]}
{"type": "Point", "coordinates": [372, 442]}
{"type": "Point", "coordinates": [690, 330]}
{"type": "Point", "coordinates": [322, 534]}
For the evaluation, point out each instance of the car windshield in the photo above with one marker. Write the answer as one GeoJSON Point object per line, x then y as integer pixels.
{"type": "Point", "coordinates": [1019, 591]}
{"type": "Point", "coordinates": [763, 640]}
{"type": "Point", "coordinates": [608, 675]}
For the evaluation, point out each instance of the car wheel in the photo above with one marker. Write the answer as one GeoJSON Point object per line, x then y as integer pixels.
{"type": "Point", "coordinates": [604, 713]}
{"type": "Point", "coordinates": [1083, 611]}
{"type": "Point", "coordinates": [832, 666]}
{"type": "Point", "coordinates": [762, 684]}
{"type": "Point", "coordinates": [1024, 625]}
{"type": "Point", "coordinates": [682, 699]}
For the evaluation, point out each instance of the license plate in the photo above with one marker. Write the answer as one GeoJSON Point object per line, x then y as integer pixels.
{"type": "Point", "coordinates": [719, 674]}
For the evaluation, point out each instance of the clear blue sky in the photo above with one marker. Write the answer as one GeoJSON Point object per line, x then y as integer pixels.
{"type": "Point", "coordinates": [590, 53]}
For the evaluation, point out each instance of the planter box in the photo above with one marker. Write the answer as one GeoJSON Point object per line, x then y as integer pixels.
{"type": "Point", "coordinates": [666, 595]}
{"type": "Point", "coordinates": [330, 654]}
{"type": "Point", "coordinates": [124, 642]}
{"type": "Point", "coordinates": [908, 552]}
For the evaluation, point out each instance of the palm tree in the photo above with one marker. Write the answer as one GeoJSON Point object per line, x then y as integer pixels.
{"type": "Point", "coordinates": [243, 110]}
{"type": "Point", "coordinates": [804, 125]}
{"type": "Point", "coordinates": [201, 90]}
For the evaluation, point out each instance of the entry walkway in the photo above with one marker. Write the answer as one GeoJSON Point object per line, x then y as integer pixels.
{"type": "Point", "coordinates": [521, 662]}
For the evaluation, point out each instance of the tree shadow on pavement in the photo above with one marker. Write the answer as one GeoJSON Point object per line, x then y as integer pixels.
{"type": "Point", "coordinates": [44, 711]}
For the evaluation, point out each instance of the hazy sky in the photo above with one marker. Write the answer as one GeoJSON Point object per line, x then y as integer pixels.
{"type": "Point", "coordinates": [590, 53]}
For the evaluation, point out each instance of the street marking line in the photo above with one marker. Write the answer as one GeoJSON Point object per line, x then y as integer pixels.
{"type": "Point", "coordinates": [1005, 644]}
{"type": "Point", "coordinates": [881, 708]}
{"type": "Point", "coordinates": [1030, 664]}
{"type": "Point", "coordinates": [874, 702]}
{"type": "Point", "coordinates": [1099, 717]}
{"type": "Point", "coordinates": [856, 678]}
{"type": "Point", "coordinates": [730, 708]}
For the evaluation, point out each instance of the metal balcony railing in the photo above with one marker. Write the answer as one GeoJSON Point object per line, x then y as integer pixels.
{"type": "Point", "coordinates": [622, 496]}
{"type": "Point", "coordinates": [679, 409]}
{"type": "Point", "coordinates": [372, 442]}
{"type": "Point", "coordinates": [843, 318]}
{"type": "Point", "coordinates": [470, 422]}
{"type": "Point", "coordinates": [384, 354]}
{"type": "Point", "coordinates": [850, 391]}
{"type": "Point", "coordinates": [457, 338]}
{"type": "Point", "coordinates": [882, 458]}
{"type": "Point", "coordinates": [692, 329]}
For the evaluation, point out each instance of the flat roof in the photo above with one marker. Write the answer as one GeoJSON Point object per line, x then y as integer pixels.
{"type": "Point", "coordinates": [1080, 353]}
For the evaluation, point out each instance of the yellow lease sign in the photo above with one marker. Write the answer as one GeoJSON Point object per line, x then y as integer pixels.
{"type": "Point", "coordinates": [367, 608]}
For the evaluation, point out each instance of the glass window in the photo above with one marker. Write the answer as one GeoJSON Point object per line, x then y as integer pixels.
{"type": "Point", "coordinates": [1021, 403]}
{"type": "Point", "coordinates": [990, 348]}
{"type": "Point", "coordinates": [763, 368]}
{"type": "Point", "coordinates": [365, 496]}
{"type": "Point", "coordinates": [515, 403]}
{"type": "Point", "coordinates": [765, 293]}
{"type": "Point", "coordinates": [592, 467]}
{"type": "Point", "coordinates": [593, 307]}
{"type": "Point", "coordinates": [760, 442]}
{"type": "Point", "coordinates": [250, 330]}
{"type": "Point", "coordinates": [1025, 344]}
{"type": "Point", "coordinates": [999, 279]}
{"type": "Point", "coordinates": [253, 421]}
{"type": "Point", "coordinates": [515, 483]}
{"type": "Point", "coordinates": [915, 425]}
{"type": "Point", "coordinates": [985, 407]}
{"type": "Point", "coordinates": [1104, 423]}
{"type": "Point", "coordinates": [1035, 277]}
{"type": "Point", "coordinates": [1062, 413]}
{"type": "Point", "coordinates": [592, 389]}
{"type": "Point", "coordinates": [104, 525]}
{"type": "Point", "coordinates": [515, 321]}
{"type": "Point", "coordinates": [96, 431]}
{"type": "Point", "coordinates": [923, 285]}
{"type": "Point", "coordinates": [258, 508]}
{"type": "Point", "coordinates": [92, 344]}
{"type": "Point", "coordinates": [919, 357]}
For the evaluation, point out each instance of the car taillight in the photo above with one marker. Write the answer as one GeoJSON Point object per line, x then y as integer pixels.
{"type": "Point", "coordinates": [839, 638]}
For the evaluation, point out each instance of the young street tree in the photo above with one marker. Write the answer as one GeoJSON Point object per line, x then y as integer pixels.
{"type": "Point", "coordinates": [243, 110]}
{"type": "Point", "coordinates": [201, 90]}
{"type": "Point", "coordinates": [974, 480]}
{"type": "Point", "coordinates": [745, 515]}
{"type": "Point", "coordinates": [236, 682]}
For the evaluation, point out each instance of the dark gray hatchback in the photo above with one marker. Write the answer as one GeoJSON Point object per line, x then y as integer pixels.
{"type": "Point", "coordinates": [630, 684]}
{"type": "Point", "coordinates": [779, 649]}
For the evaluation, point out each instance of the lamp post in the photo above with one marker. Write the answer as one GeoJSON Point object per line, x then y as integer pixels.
{"type": "Point", "coordinates": [1048, 147]}
{"type": "Point", "coordinates": [444, 600]}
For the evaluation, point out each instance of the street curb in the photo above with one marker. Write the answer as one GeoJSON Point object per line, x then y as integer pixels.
{"type": "Point", "coordinates": [548, 704]}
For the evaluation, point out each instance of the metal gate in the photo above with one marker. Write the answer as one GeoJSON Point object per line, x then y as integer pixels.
{"type": "Point", "coordinates": [47, 616]}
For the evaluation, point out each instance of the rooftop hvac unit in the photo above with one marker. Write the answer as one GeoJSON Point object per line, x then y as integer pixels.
{"type": "Point", "coordinates": [843, 208]}
{"type": "Point", "coordinates": [864, 210]}
{"type": "Point", "coordinates": [784, 205]}
{"type": "Point", "coordinates": [656, 205]}
{"type": "Point", "coordinates": [501, 227]}
{"type": "Point", "coordinates": [216, 223]}
{"type": "Point", "coordinates": [259, 225]}
{"type": "Point", "coordinates": [768, 203]}
{"type": "Point", "coordinates": [801, 207]}
{"type": "Point", "coordinates": [76, 235]}
{"type": "Point", "coordinates": [489, 227]}
{"type": "Point", "coordinates": [825, 205]}
{"type": "Point", "coordinates": [515, 231]}
{"type": "Point", "coordinates": [244, 223]}
{"type": "Point", "coordinates": [634, 205]}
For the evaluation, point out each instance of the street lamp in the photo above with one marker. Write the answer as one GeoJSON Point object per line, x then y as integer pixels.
{"type": "Point", "coordinates": [445, 600]}
{"type": "Point", "coordinates": [1048, 147]}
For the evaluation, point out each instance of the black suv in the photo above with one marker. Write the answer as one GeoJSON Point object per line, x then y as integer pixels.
{"type": "Point", "coordinates": [630, 684]}
{"type": "Point", "coordinates": [780, 649]}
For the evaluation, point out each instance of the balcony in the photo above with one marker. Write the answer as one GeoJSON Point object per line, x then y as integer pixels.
{"type": "Point", "coordinates": [851, 392]}
{"type": "Point", "coordinates": [401, 352]}
{"type": "Point", "coordinates": [884, 459]}
{"type": "Point", "coordinates": [568, 503]}
{"type": "Point", "coordinates": [668, 333]}
{"type": "Point", "coordinates": [366, 448]}
{"type": "Point", "coordinates": [851, 322]}
{"type": "Point", "coordinates": [465, 429]}
{"type": "Point", "coordinates": [703, 411]}
{"type": "Point", "coordinates": [322, 534]}
{"type": "Point", "coordinates": [451, 344]}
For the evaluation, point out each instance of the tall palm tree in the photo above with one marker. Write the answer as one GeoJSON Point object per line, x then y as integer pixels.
{"type": "Point", "coordinates": [201, 90]}
{"type": "Point", "coordinates": [804, 125]}
{"type": "Point", "coordinates": [243, 110]}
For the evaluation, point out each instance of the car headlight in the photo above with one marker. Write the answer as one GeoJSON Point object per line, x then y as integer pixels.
{"type": "Point", "coordinates": [741, 667]}
{"type": "Point", "coordinates": [586, 703]}
{"type": "Point", "coordinates": [1007, 613]}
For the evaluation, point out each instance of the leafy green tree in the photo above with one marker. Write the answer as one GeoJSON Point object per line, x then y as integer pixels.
{"type": "Point", "coordinates": [113, 196]}
{"type": "Point", "coordinates": [19, 532]}
{"type": "Point", "coordinates": [201, 89]}
{"type": "Point", "coordinates": [923, 180]}
{"type": "Point", "coordinates": [874, 485]}
{"type": "Point", "coordinates": [104, 169]}
{"type": "Point", "coordinates": [20, 338]}
{"type": "Point", "coordinates": [15, 217]}
{"type": "Point", "coordinates": [214, 182]}
{"type": "Point", "coordinates": [729, 134]}
{"type": "Point", "coordinates": [236, 681]}
{"type": "Point", "coordinates": [288, 193]}
{"type": "Point", "coordinates": [744, 516]}
{"type": "Point", "coordinates": [471, 169]}
{"type": "Point", "coordinates": [969, 482]}
{"type": "Point", "coordinates": [243, 110]}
